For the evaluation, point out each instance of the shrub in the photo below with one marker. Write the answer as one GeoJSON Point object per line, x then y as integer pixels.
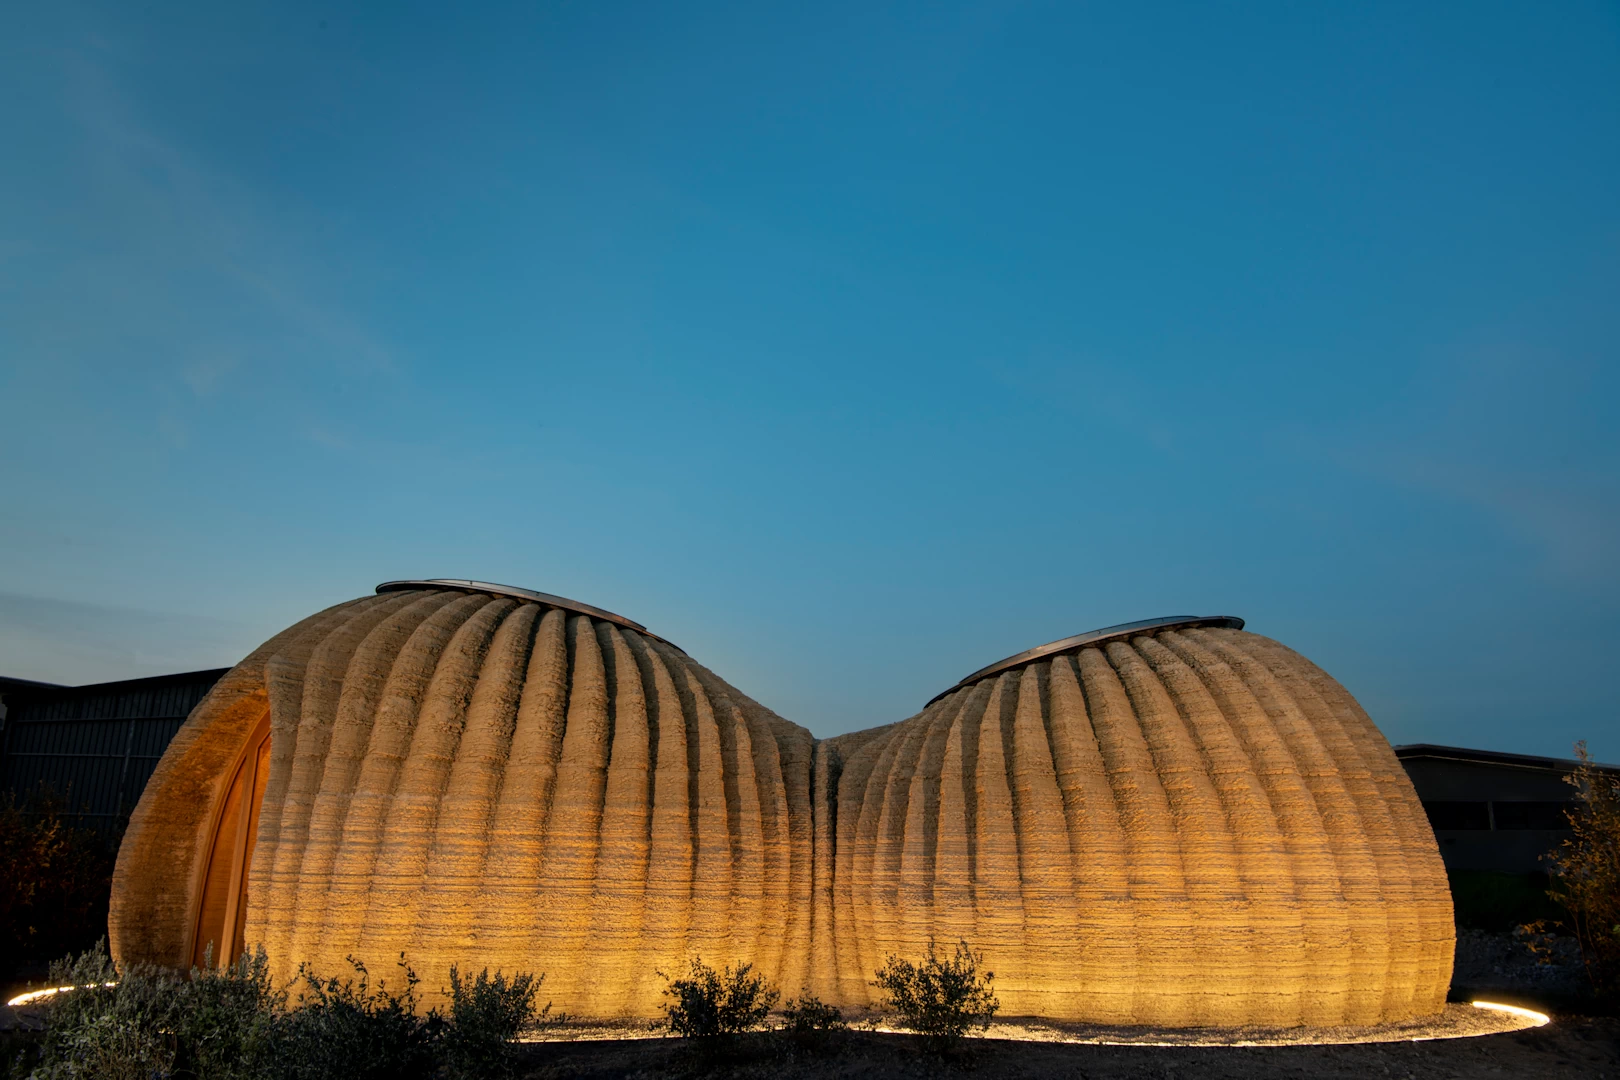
{"type": "Point", "coordinates": [344, 1029]}
{"type": "Point", "coordinates": [810, 1022]}
{"type": "Point", "coordinates": [232, 1024]}
{"type": "Point", "coordinates": [156, 1023]}
{"type": "Point", "coordinates": [708, 1003]}
{"type": "Point", "coordinates": [487, 1014]}
{"type": "Point", "coordinates": [222, 1021]}
{"type": "Point", "coordinates": [808, 1015]}
{"type": "Point", "coordinates": [117, 1025]}
{"type": "Point", "coordinates": [1586, 872]}
{"type": "Point", "coordinates": [55, 881]}
{"type": "Point", "coordinates": [942, 1000]}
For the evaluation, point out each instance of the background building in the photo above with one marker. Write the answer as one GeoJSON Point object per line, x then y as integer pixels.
{"type": "Point", "coordinates": [1496, 817]}
{"type": "Point", "coordinates": [1490, 810]}
{"type": "Point", "coordinates": [91, 748]}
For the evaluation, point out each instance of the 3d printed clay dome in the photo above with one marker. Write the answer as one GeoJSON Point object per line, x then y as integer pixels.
{"type": "Point", "coordinates": [1171, 823]}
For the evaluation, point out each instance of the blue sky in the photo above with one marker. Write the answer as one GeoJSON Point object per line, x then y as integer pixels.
{"type": "Point", "coordinates": [851, 347]}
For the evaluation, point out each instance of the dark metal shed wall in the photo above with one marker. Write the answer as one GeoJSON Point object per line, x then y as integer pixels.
{"type": "Point", "coordinates": [94, 747]}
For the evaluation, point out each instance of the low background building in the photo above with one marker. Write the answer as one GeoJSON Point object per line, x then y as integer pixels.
{"type": "Point", "coordinates": [1490, 810]}
{"type": "Point", "coordinates": [1496, 816]}
{"type": "Point", "coordinates": [74, 761]}
{"type": "Point", "coordinates": [91, 749]}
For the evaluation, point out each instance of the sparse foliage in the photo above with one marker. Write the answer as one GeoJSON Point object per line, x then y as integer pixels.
{"type": "Point", "coordinates": [148, 1022]}
{"type": "Point", "coordinates": [1586, 872]}
{"type": "Point", "coordinates": [112, 1028]}
{"type": "Point", "coordinates": [346, 1028]}
{"type": "Point", "coordinates": [940, 999]}
{"type": "Point", "coordinates": [706, 1003]}
{"type": "Point", "coordinates": [487, 1014]}
{"type": "Point", "coordinates": [808, 1014]}
{"type": "Point", "coordinates": [55, 881]}
{"type": "Point", "coordinates": [222, 1023]}
{"type": "Point", "coordinates": [232, 1024]}
{"type": "Point", "coordinates": [811, 1022]}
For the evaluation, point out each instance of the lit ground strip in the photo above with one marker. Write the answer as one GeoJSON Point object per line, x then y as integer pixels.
{"type": "Point", "coordinates": [39, 995]}
{"type": "Point", "coordinates": [1457, 1021]}
{"type": "Point", "coordinates": [1536, 1019]}
{"type": "Point", "coordinates": [1447, 1027]}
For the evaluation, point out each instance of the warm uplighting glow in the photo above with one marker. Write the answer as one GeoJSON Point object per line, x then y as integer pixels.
{"type": "Point", "coordinates": [1458, 1020]}
{"type": "Point", "coordinates": [1535, 1018]}
{"type": "Point", "coordinates": [50, 991]}
{"type": "Point", "coordinates": [573, 850]}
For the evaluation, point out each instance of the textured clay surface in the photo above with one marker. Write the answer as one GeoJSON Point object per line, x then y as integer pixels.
{"type": "Point", "coordinates": [1189, 827]}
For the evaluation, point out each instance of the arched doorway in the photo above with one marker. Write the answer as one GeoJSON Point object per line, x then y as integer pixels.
{"type": "Point", "coordinates": [221, 911]}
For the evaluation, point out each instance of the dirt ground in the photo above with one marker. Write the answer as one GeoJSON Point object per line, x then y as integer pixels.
{"type": "Point", "coordinates": [1497, 967]}
{"type": "Point", "coordinates": [1577, 1047]}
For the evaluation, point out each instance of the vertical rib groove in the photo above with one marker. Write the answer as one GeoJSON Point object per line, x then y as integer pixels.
{"type": "Point", "coordinates": [400, 875]}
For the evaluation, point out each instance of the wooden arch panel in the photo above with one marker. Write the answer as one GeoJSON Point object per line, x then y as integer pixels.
{"type": "Point", "coordinates": [221, 909]}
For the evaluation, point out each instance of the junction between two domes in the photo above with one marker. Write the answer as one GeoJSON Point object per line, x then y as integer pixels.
{"type": "Point", "coordinates": [1173, 822]}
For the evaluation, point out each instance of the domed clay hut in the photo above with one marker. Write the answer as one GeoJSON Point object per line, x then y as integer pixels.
{"type": "Point", "coordinates": [1172, 823]}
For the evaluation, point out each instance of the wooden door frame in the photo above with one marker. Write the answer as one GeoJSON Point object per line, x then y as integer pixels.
{"type": "Point", "coordinates": [244, 766]}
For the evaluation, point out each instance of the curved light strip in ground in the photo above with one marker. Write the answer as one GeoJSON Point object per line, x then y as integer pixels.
{"type": "Point", "coordinates": [38, 995]}
{"type": "Point", "coordinates": [1536, 1019]}
{"type": "Point", "coordinates": [1459, 1020]}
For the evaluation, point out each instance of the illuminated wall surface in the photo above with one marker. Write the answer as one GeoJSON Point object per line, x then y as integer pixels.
{"type": "Point", "coordinates": [1173, 827]}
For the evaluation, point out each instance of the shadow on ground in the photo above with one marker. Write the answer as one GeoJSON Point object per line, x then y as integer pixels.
{"type": "Point", "coordinates": [1578, 1047]}
{"type": "Point", "coordinates": [1579, 1043]}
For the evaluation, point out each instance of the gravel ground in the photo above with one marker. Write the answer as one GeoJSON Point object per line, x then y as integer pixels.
{"type": "Point", "coordinates": [1494, 966]}
{"type": "Point", "coordinates": [1493, 961]}
{"type": "Point", "coordinates": [1579, 1047]}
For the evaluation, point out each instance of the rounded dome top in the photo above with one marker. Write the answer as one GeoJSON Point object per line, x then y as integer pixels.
{"type": "Point", "coordinates": [1092, 637]}
{"type": "Point", "coordinates": [549, 599]}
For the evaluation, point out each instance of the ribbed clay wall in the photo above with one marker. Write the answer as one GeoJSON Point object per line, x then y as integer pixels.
{"type": "Point", "coordinates": [1189, 827]}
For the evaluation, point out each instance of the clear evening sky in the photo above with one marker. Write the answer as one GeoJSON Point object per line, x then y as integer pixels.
{"type": "Point", "coordinates": [849, 346]}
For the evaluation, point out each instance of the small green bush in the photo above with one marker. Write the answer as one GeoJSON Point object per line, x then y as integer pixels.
{"type": "Point", "coordinates": [811, 1023]}
{"type": "Point", "coordinates": [487, 1014]}
{"type": "Point", "coordinates": [346, 1029]}
{"type": "Point", "coordinates": [709, 1003]}
{"type": "Point", "coordinates": [55, 880]}
{"type": "Point", "coordinates": [232, 1024]}
{"type": "Point", "coordinates": [156, 1023]}
{"type": "Point", "coordinates": [809, 1015]}
{"type": "Point", "coordinates": [941, 1000]}
{"type": "Point", "coordinates": [1586, 871]}
{"type": "Point", "coordinates": [222, 1022]}
{"type": "Point", "coordinates": [113, 1032]}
